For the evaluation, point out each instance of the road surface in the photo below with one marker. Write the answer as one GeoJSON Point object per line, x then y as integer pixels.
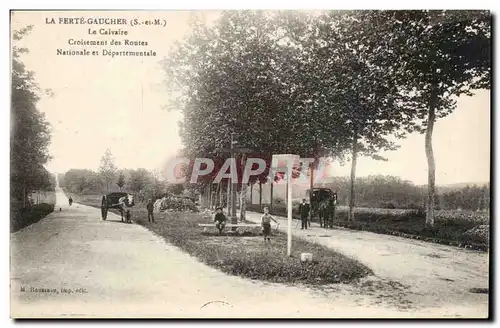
{"type": "Point", "coordinates": [435, 276]}
{"type": "Point", "coordinates": [73, 264]}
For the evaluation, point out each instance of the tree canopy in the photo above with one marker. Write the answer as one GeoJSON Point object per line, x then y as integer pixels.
{"type": "Point", "coordinates": [340, 84]}
{"type": "Point", "coordinates": [30, 131]}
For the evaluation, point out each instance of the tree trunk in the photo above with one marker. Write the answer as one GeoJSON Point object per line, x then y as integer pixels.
{"type": "Point", "coordinates": [311, 183]}
{"type": "Point", "coordinates": [243, 193]}
{"type": "Point", "coordinates": [243, 201]}
{"type": "Point", "coordinates": [210, 196]}
{"type": "Point", "coordinates": [272, 191]}
{"type": "Point", "coordinates": [217, 195]}
{"type": "Point", "coordinates": [311, 186]}
{"type": "Point", "coordinates": [431, 178]}
{"type": "Point", "coordinates": [251, 194]}
{"type": "Point", "coordinates": [24, 194]}
{"type": "Point", "coordinates": [260, 194]}
{"type": "Point", "coordinates": [353, 177]}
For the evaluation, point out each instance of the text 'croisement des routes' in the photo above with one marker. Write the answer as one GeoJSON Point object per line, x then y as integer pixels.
{"type": "Point", "coordinates": [106, 37]}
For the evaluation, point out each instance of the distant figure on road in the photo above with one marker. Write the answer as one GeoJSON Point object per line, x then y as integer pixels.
{"type": "Point", "coordinates": [70, 200]}
{"type": "Point", "coordinates": [220, 219]}
{"type": "Point", "coordinates": [150, 207]}
{"type": "Point", "coordinates": [266, 224]}
{"type": "Point", "coordinates": [304, 210]}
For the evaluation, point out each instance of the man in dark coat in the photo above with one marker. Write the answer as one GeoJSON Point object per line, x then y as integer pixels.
{"type": "Point", "coordinates": [304, 210]}
{"type": "Point", "coordinates": [150, 207]}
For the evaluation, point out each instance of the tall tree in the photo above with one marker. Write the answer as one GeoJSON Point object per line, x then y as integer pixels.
{"type": "Point", "coordinates": [245, 76]}
{"type": "Point", "coordinates": [361, 99]}
{"type": "Point", "coordinates": [30, 132]}
{"type": "Point", "coordinates": [441, 55]}
{"type": "Point", "coordinates": [107, 169]}
{"type": "Point", "coordinates": [121, 181]}
{"type": "Point", "coordinates": [139, 180]}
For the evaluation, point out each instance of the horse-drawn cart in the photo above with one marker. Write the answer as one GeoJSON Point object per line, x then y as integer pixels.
{"type": "Point", "coordinates": [323, 203]}
{"type": "Point", "coordinates": [117, 200]}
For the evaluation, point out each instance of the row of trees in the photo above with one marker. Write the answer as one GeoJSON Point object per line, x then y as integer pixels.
{"type": "Point", "coordinates": [30, 131]}
{"type": "Point", "coordinates": [393, 192]}
{"type": "Point", "coordinates": [376, 191]}
{"type": "Point", "coordinates": [108, 178]}
{"type": "Point", "coordinates": [470, 198]}
{"type": "Point", "coordinates": [339, 84]}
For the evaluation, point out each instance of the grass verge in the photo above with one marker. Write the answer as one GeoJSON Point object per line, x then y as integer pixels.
{"type": "Point", "coordinates": [247, 255]}
{"type": "Point", "coordinates": [21, 218]}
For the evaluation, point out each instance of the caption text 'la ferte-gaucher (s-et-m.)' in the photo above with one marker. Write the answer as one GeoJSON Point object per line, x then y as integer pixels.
{"type": "Point", "coordinates": [106, 41]}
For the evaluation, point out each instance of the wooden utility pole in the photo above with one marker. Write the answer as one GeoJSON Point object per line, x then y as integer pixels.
{"type": "Point", "coordinates": [272, 191]}
{"type": "Point", "coordinates": [228, 198]}
{"type": "Point", "coordinates": [232, 185]}
{"type": "Point", "coordinates": [251, 194]}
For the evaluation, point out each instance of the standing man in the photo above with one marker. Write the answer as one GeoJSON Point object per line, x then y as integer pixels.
{"type": "Point", "coordinates": [150, 207]}
{"type": "Point", "coordinates": [304, 210]}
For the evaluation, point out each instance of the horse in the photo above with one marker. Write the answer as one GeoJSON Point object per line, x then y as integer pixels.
{"type": "Point", "coordinates": [326, 212]}
{"type": "Point", "coordinates": [124, 205]}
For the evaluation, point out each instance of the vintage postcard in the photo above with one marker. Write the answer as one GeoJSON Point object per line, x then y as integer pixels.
{"type": "Point", "coordinates": [250, 164]}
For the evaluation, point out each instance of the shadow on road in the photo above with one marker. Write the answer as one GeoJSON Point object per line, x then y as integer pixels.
{"type": "Point", "coordinates": [117, 221]}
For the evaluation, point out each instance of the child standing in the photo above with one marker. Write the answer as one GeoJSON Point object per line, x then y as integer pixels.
{"type": "Point", "coordinates": [266, 224]}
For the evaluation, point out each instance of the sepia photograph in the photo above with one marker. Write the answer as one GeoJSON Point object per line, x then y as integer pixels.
{"type": "Point", "coordinates": [249, 164]}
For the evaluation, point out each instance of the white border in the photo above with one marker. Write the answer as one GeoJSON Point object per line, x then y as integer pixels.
{"type": "Point", "coordinates": [185, 4]}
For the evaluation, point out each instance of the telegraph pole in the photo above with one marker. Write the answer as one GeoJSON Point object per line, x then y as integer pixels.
{"type": "Point", "coordinates": [233, 184]}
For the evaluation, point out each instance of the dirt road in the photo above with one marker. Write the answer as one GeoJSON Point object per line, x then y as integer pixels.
{"type": "Point", "coordinates": [434, 276]}
{"type": "Point", "coordinates": [73, 264]}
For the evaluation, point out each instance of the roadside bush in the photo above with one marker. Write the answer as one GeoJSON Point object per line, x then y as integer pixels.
{"type": "Point", "coordinates": [478, 234]}
{"type": "Point", "coordinates": [175, 203]}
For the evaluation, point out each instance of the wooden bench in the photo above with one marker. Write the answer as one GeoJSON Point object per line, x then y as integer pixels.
{"type": "Point", "coordinates": [230, 225]}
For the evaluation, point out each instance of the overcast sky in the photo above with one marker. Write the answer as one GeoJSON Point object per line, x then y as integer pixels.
{"type": "Point", "coordinates": [98, 104]}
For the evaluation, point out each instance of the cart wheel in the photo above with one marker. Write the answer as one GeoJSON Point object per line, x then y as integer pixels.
{"type": "Point", "coordinates": [104, 208]}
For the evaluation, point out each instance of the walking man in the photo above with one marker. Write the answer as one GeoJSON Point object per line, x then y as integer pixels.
{"type": "Point", "coordinates": [304, 210]}
{"type": "Point", "coordinates": [150, 207]}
